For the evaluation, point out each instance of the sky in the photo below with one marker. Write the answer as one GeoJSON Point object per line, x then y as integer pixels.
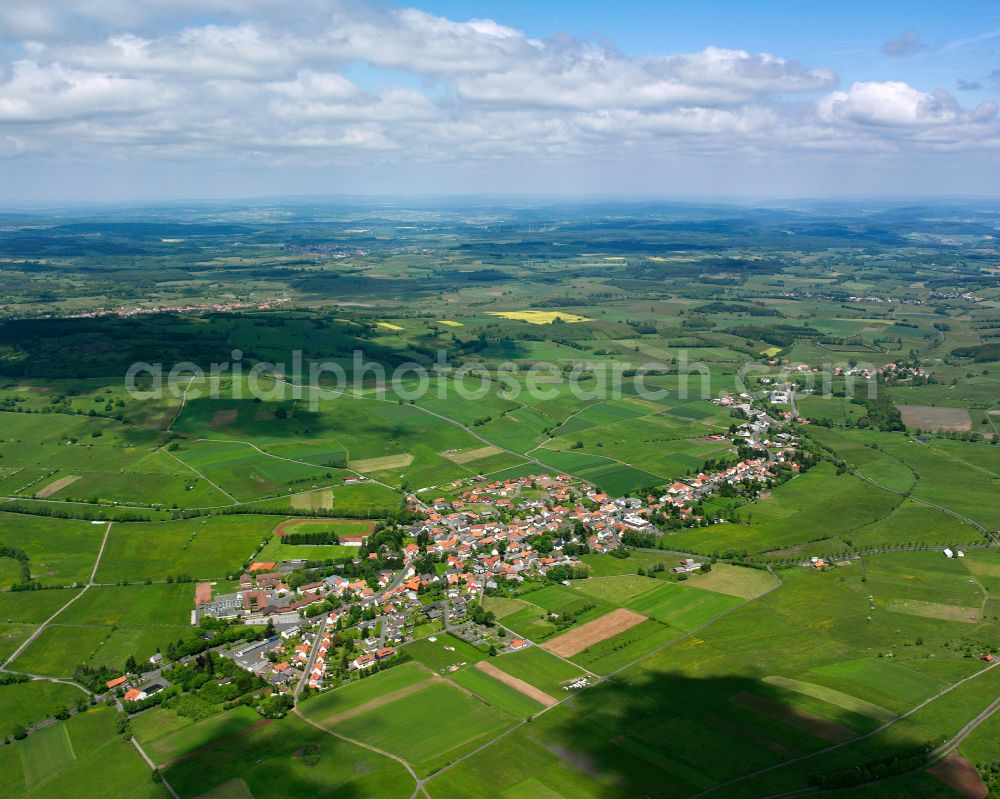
{"type": "Point", "coordinates": [145, 100]}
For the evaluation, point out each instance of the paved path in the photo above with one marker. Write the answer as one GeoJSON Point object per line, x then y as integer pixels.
{"type": "Point", "coordinates": [936, 756]}
{"type": "Point", "coordinates": [419, 782]}
{"type": "Point", "coordinates": [572, 696]}
{"type": "Point", "coordinates": [201, 474]}
{"type": "Point", "coordinates": [44, 624]}
{"type": "Point", "coordinates": [180, 408]}
{"type": "Point", "coordinates": [313, 653]}
{"type": "Point", "coordinates": [448, 419]}
{"type": "Point", "coordinates": [988, 533]}
{"type": "Point", "coordinates": [152, 765]}
{"type": "Point", "coordinates": [876, 731]}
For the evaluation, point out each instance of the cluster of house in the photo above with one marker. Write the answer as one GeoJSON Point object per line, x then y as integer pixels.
{"type": "Point", "coordinates": [284, 659]}
{"type": "Point", "coordinates": [271, 660]}
{"type": "Point", "coordinates": [137, 690]}
{"type": "Point", "coordinates": [896, 372]}
{"type": "Point", "coordinates": [682, 493]}
{"type": "Point", "coordinates": [484, 534]}
{"type": "Point", "coordinates": [890, 373]}
{"type": "Point", "coordinates": [200, 307]}
{"type": "Point", "coordinates": [479, 547]}
{"type": "Point", "coordinates": [756, 429]}
{"type": "Point", "coordinates": [954, 295]}
{"type": "Point", "coordinates": [263, 597]}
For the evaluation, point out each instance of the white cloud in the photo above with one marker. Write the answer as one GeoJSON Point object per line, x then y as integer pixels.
{"type": "Point", "coordinates": [337, 82]}
{"type": "Point", "coordinates": [896, 104]}
{"type": "Point", "coordinates": [38, 94]}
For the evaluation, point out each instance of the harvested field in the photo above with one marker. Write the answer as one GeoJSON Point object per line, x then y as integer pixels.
{"type": "Point", "coordinates": [935, 610]}
{"type": "Point", "coordinates": [823, 729]}
{"type": "Point", "coordinates": [202, 594]}
{"type": "Point", "coordinates": [575, 641]}
{"type": "Point", "coordinates": [474, 454]}
{"type": "Point", "coordinates": [735, 581]}
{"type": "Point", "coordinates": [313, 500]}
{"type": "Point", "coordinates": [960, 775]}
{"type": "Point", "coordinates": [224, 418]}
{"type": "Point", "coordinates": [263, 413]}
{"type": "Point", "coordinates": [518, 685]}
{"type": "Point", "coordinates": [928, 417]}
{"type": "Point", "coordinates": [400, 461]}
{"type": "Point", "coordinates": [56, 485]}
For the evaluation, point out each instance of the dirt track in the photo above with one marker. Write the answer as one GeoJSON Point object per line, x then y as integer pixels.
{"type": "Point", "coordinates": [617, 621]}
{"type": "Point", "coordinates": [280, 529]}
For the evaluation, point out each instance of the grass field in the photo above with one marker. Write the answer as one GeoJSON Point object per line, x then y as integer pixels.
{"type": "Point", "coordinates": [32, 606]}
{"type": "Point", "coordinates": [447, 719]}
{"type": "Point", "coordinates": [846, 701]}
{"type": "Point", "coordinates": [444, 653]}
{"type": "Point", "coordinates": [28, 703]}
{"type": "Point", "coordinates": [616, 589]}
{"type": "Point", "coordinates": [58, 650]}
{"type": "Point", "coordinates": [539, 668]}
{"type": "Point", "coordinates": [800, 515]}
{"type": "Point", "coordinates": [46, 752]}
{"type": "Point", "coordinates": [192, 737]}
{"type": "Point", "coordinates": [60, 551]}
{"type": "Point", "coordinates": [682, 607]}
{"type": "Point", "coordinates": [268, 760]}
{"type": "Point", "coordinates": [212, 547]}
{"type": "Point", "coordinates": [82, 757]}
{"type": "Point", "coordinates": [361, 692]}
{"type": "Point", "coordinates": [501, 696]}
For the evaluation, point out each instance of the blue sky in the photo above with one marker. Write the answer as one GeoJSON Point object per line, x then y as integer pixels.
{"type": "Point", "coordinates": [845, 35]}
{"type": "Point", "coordinates": [114, 99]}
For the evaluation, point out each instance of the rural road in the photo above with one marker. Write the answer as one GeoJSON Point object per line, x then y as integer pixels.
{"type": "Point", "coordinates": [936, 756]}
{"type": "Point", "coordinates": [447, 419]}
{"type": "Point", "coordinates": [572, 696]}
{"type": "Point", "coordinates": [876, 731]}
{"type": "Point", "coordinates": [419, 782]}
{"type": "Point", "coordinates": [991, 535]}
{"type": "Point", "coordinates": [312, 657]}
{"type": "Point", "coordinates": [152, 765]}
{"type": "Point", "coordinates": [44, 624]}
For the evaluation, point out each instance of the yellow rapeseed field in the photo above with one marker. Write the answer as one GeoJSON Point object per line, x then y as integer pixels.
{"type": "Point", "coordinates": [540, 317]}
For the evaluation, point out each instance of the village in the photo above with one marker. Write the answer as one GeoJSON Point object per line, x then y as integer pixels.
{"type": "Point", "coordinates": [322, 626]}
